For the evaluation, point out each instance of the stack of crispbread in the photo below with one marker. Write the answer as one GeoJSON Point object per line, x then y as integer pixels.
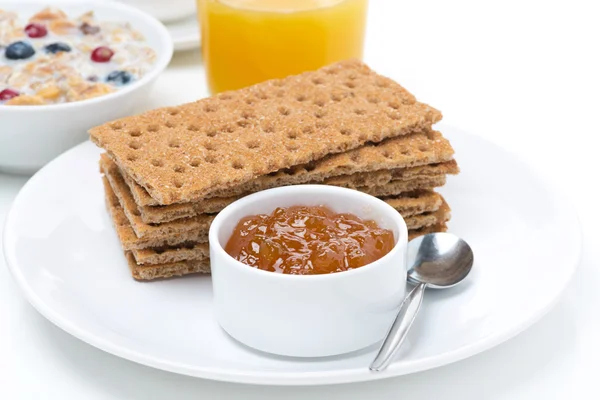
{"type": "Point", "coordinates": [167, 172]}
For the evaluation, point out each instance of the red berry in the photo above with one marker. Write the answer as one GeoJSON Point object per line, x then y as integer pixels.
{"type": "Point", "coordinates": [102, 54]}
{"type": "Point", "coordinates": [8, 94]}
{"type": "Point", "coordinates": [36, 30]}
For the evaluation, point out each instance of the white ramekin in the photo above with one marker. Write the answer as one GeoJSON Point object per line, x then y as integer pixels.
{"type": "Point", "coordinates": [307, 315]}
{"type": "Point", "coordinates": [30, 136]}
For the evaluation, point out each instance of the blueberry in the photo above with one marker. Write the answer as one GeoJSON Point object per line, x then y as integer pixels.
{"type": "Point", "coordinates": [19, 51]}
{"type": "Point", "coordinates": [119, 77]}
{"type": "Point", "coordinates": [56, 47]}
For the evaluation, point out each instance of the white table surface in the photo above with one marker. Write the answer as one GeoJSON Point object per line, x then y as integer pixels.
{"type": "Point", "coordinates": [522, 73]}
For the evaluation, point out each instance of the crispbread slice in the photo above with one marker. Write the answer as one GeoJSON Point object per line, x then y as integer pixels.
{"type": "Point", "coordinates": [182, 154]}
{"type": "Point", "coordinates": [400, 186]}
{"type": "Point", "coordinates": [441, 227]}
{"type": "Point", "coordinates": [168, 254]}
{"type": "Point", "coordinates": [128, 238]}
{"type": "Point", "coordinates": [198, 223]}
{"type": "Point", "coordinates": [420, 221]}
{"type": "Point", "coordinates": [172, 212]}
{"type": "Point", "coordinates": [416, 202]}
{"type": "Point", "coordinates": [162, 214]}
{"type": "Point", "coordinates": [417, 149]}
{"type": "Point", "coordinates": [168, 270]}
{"type": "Point", "coordinates": [385, 176]}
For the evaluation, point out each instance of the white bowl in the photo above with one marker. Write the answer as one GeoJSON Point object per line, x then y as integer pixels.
{"type": "Point", "coordinates": [166, 11]}
{"type": "Point", "coordinates": [307, 315]}
{"type": "Point", "coordinates": [30, 136]}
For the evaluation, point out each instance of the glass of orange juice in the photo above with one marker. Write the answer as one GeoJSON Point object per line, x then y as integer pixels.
{"type": "Point", "coordinates": [248, 41]}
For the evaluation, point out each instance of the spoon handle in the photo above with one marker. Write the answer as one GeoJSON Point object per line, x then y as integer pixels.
{"type": "Point", "coordinates": [399, 328]}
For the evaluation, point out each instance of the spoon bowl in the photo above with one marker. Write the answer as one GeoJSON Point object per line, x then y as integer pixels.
{"type": "Point", "coordinates": [440, 260]}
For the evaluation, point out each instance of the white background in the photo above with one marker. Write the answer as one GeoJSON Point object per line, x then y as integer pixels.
{"type": "Point", "coordinates": [524, 74]}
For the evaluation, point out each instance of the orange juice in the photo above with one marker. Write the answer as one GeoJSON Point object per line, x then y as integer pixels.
{"type": "Point", "coordinates": [248, 41]}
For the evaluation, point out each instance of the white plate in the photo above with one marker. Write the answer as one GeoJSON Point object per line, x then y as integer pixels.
{"type": "Point", "coordinates": [63, 253]}
{"type": "Point", "coordinates": [185, 33]}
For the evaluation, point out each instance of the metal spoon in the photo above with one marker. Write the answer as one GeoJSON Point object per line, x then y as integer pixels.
{"type": "Point", "coordinates": [435, 260]}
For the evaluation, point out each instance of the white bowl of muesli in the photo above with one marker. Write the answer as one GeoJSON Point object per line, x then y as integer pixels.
{"type": "Point", "coordinates": [67, 68]}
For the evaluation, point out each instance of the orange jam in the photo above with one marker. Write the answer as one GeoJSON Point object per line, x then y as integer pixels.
{"type": "Point", "coordinates": [303, 240]}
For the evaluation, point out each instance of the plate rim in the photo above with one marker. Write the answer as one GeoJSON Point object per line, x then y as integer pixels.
{"type": "Point", "coordinates": [338, 376]}
{"type": "Point", "coordinates": [190, 41]}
